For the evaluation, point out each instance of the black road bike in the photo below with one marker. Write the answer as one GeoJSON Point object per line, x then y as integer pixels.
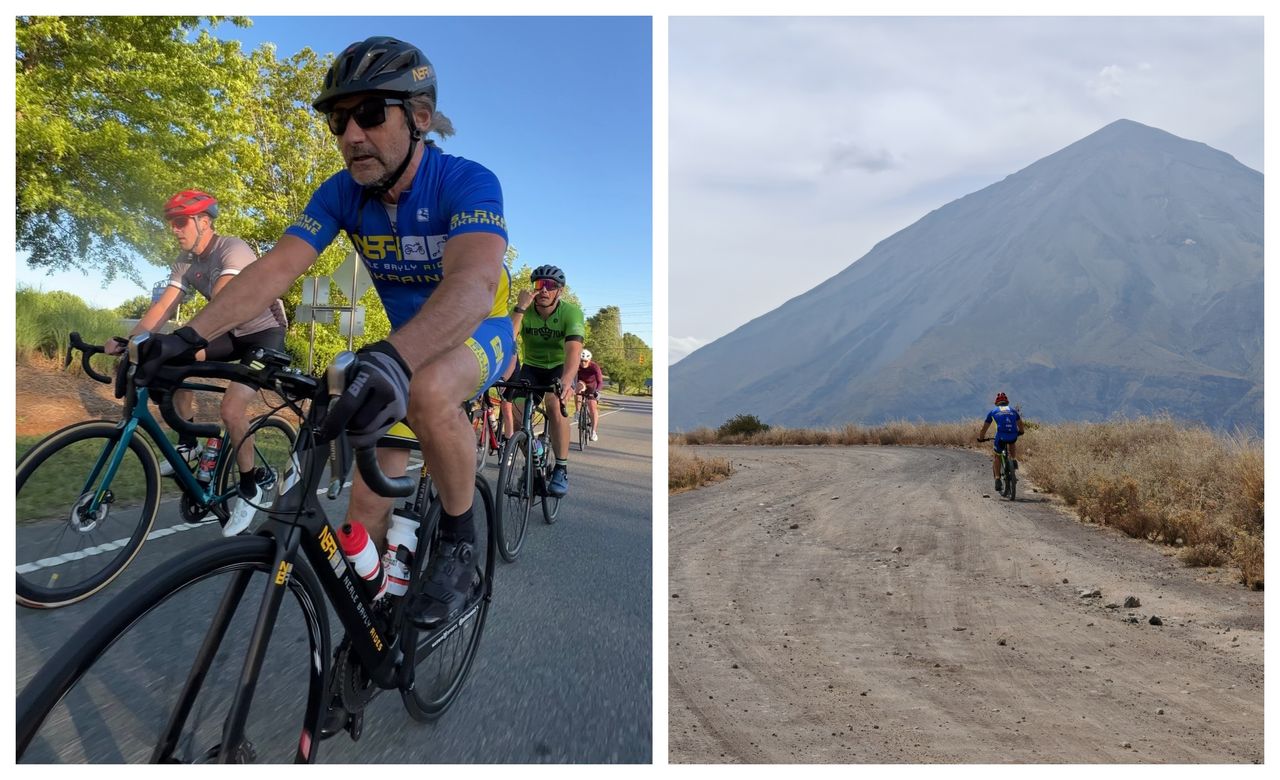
{"type": "Point", "coordinates": [585, 427]}
{"type": "Point", "coordinates": [103, 696]}
{"type": "Point", "coordinates": [524, 470]}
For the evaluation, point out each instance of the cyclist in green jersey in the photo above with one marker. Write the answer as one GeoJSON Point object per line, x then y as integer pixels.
{"type": "Point", "coordinates": [551, 335]}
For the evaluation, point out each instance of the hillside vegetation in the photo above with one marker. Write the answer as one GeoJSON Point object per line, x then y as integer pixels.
{"type": "Point", "coordinates": [1169, 482]}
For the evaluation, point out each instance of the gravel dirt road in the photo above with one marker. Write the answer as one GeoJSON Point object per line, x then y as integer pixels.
{"type": "Point", "coordinates": [881, 605]}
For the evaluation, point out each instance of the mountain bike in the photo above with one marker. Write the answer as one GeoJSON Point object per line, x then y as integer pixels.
{"type": "Point", "coordinates": [1008, 473]}
{"type": "Point", "coordinates": [481, 412]}
{"type": "Point", "coordinates": [295, 553]}
{"type": "Point", "coordinates": [87, 495]}
{"type": "Point", "coordinates": [585, 428]}
{"type": "Point", "coordinates": [523, 473]}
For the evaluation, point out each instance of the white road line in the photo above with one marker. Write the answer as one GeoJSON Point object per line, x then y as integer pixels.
{"type": "Point", "coordinates": [99, 549]}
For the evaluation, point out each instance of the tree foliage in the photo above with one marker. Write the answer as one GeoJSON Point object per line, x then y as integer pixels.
{"type": "Point", "coordinates": [114, 114]}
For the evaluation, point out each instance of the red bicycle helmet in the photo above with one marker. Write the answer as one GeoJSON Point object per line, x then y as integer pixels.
{"type": "Point", "coordinates": [188, 203]}
{"type": "Point", "coordinates": [1001, 398]}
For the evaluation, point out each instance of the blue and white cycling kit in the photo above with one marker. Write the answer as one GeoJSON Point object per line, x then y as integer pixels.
{"type": "Point", "coordinates": [1006, 420]}
{"type": "Point", "coordinates": [402, 246]}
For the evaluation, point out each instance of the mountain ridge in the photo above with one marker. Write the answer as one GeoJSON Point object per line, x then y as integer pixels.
{"type": "Point", "coordinates": [1128, 238]}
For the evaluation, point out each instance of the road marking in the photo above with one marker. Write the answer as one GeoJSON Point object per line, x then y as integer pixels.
{"type": "Point", "coordinates": [99, 549]}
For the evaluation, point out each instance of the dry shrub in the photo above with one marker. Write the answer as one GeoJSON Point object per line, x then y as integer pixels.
{"type": "Point", "coordinates": [1203, 555]}
{"type": "Point", "coordinates": [686, 471]}
{"type": "Point", "coordinates": [1247, 553]}
{"type": "Point", "coordinates": [1161, 480]}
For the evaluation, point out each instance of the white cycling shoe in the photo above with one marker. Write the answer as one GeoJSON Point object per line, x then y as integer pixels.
{"type": "Point", "coordinates": [242, 512]}
{"type": "Point", "coordinates": [595, 436]}
{"type": "Point", "coordinates": [189, 454]}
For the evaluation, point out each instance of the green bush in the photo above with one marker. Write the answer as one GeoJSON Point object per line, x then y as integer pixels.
{"type": "Point", "coordinates": [742, 425]}
{"type": "Point", "coordinates": [44, 322]}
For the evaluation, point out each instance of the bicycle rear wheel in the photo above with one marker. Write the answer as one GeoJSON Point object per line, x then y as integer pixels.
{"type": "Point", "coordinates": [442, 658]}
{"type": "Point", "coordinates": [514, 497]}
{"type": "Point", "coordinates": [113, 693]}
{"type": "Point", "coordinates": [1011, 480]}
{"type": "Point", "coordinates": [273, 440]}
{"type": "Point", "coordinates": [78, 526]}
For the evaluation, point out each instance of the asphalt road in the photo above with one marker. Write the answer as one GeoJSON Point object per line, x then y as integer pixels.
{"type": "Point", "coordinates": [880, 605]}
{"type": "Point", "coordinates": [563, 673]}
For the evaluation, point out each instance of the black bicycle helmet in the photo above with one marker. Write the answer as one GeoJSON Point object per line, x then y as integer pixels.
{"type": "Point", "coordinates": [380, 65]}
{"type": "Point", "coordinates": [548, 272]}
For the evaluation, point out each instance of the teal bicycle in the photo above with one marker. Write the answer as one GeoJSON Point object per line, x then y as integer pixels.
{"type": "Point", "coordinates": [88, 495]}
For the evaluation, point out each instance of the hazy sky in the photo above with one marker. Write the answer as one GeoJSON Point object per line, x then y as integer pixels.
{"type": "Point", "coordinates": [797, 144]}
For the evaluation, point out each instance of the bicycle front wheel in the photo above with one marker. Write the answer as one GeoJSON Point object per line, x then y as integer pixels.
{"type": "Point", "coordinates": [443, 657]}
{"type": "Point", "coordinates": [151, 677]}
{"type": "Point", "coordinates": [584, 428]}
{"type": "Point", "coordinates": [514, 497]}
{"type": "Point", "coordinates": [85, 504]}
{"type": "Point", "coordinates": [550, 504]}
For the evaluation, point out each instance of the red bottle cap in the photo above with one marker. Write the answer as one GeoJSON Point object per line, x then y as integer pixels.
{"type": "Point", "coordinates": [353, 538]}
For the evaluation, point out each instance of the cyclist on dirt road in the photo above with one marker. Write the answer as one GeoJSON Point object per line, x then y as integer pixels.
{"type": "Point", "coordinates": [1008, 429]}
{"type": "Point", "coordinates": [207, 262]}
{"type": "Point", "coordinates": [431, 232]}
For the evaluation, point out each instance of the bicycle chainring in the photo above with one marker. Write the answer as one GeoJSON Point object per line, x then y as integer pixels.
{"type": "Point", "coordinates": [354, 685]}
{"type": "Point", "coordinates": [191, 511]}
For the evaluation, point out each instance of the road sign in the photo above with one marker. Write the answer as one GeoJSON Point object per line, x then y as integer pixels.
{"type": "Point", "coordinates": [352, 273]}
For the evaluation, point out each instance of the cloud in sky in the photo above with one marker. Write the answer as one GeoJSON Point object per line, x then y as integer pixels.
{"type": "Point", "coordinates": [679, 347]}
{"type": "Point", "coordinates": [797, 144]}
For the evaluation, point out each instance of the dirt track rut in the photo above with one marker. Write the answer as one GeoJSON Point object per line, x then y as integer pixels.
{"type": "Point", "coordinates": [819, 643]}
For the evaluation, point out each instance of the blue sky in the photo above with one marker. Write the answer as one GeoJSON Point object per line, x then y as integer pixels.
{"type": "Point", "coordinates": [558, 107]}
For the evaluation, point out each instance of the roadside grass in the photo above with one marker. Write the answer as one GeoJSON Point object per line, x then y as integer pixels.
{"type": "Point", "coordinates": [1158, 479]}
{"type": "Point", "coordinates": [687, 471]}
{"type": "Point", "coordinates": [44, 322]}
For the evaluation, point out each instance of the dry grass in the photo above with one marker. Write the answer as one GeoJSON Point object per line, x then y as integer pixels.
{"type": "Point", "coordinates": [1160, 480]}
{"type": "Point", "coordinates": [687, 471]}
{"type": "Point", "coordinates": [898, 432]}
{"type": "Point", "coordinates": [1156, 479]}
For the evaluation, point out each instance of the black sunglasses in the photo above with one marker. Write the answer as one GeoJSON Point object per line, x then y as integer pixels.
{"type": "Point", "coordinates": [368, 113]}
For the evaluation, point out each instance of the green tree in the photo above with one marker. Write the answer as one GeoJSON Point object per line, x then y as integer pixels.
{"type": "Point", "coordinates": [606, 337]}
{"type": "Point", "coordinates": [113, 114]}
{"type": "Point", "coordinates": [135, 307]}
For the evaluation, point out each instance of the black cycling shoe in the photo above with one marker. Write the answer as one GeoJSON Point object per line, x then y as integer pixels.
{"type": "Point", "coordinates": [336, 719]}
{"type": "Point", "coordinates": [999, 485]}
{"type": "Point", "coordinates": [448, 586]}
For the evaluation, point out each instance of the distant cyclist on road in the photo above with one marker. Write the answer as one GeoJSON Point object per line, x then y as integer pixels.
{"type": "Point", "coordinates": [590, 380]}
{"type": "Point", "coordinates": [551, 335]}
{"type": "Point", "coordinates": [206, 263]}
{"type": "Point", "coordinates": [1008, 429]}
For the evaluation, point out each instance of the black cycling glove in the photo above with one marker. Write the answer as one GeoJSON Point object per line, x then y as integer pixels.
{"type": "Point", "coordinates": [164, 349]}
{"type": "Point", "coordinates": [376, 398]}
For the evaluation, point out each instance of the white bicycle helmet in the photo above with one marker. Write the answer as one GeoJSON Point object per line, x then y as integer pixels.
{"type": "Point", "coordinates": [586, 354]}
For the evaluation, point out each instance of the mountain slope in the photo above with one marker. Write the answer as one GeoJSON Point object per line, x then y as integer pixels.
{"type": "Point", "coordinates": [1121, 274]}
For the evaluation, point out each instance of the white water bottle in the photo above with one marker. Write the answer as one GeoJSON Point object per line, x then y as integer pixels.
{"type": "Point", "coordinates": [402, 542]}
{"type": "Point", "coordinates": [363, 555]}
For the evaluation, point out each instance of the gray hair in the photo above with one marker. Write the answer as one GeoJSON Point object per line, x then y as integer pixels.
{"type": "Point", "coordinates": [441, 125]}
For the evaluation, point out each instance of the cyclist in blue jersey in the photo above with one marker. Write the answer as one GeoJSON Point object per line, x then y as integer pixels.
{"type": "Point", "coordinates": [431, 232]}
{"type": "Point", "coordinates": [1008, 428]}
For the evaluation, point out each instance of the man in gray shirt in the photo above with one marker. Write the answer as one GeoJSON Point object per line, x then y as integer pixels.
{"type": "Point", "coordinates": [207, 261]}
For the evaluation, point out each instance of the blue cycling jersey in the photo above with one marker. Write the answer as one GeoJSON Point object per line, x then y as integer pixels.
{"type": "Point", "coordinates": [403, 245]}
{"type": "Point", "coordinates": [1006, 420]}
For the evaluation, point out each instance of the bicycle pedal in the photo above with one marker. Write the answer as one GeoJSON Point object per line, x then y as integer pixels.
{"type": "Point", "coordinates": [355, 726]}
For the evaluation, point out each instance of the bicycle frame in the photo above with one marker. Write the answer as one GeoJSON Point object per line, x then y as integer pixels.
{"type": "Point", "coordinates": [298, 522]}
{"type": "Point", "coordinates": [138, 415]}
